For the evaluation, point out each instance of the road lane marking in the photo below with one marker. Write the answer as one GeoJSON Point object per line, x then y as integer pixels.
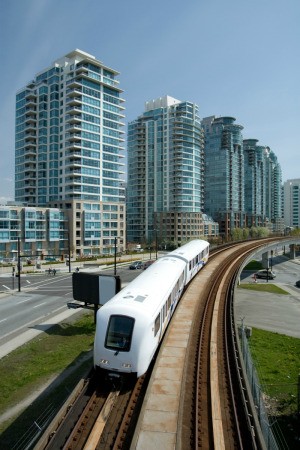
{"type": "Point", "coordinates": [40, 304]}
{"type": "Point", "coordinates": [23, 301]}
{"type": "Point", "coordinates": [3, 320]}
{"type": "Point", "coordinates": [6, 287]}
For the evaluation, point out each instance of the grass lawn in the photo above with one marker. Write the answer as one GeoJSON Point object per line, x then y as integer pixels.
{"type": "Point", "coordinates": [64, 351]}
{"type": "Point", "coordinates": [263, 287]}
{"type": "Point", "coordinates": [254, 265]}
{"type": "Point", "coordinates": [277, 361]}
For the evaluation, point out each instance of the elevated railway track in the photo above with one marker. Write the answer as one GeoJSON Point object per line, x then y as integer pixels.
{"type": "Point", "coordinates": [194, 395]}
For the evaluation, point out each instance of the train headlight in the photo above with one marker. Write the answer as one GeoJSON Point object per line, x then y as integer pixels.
{"type": "Point", "coordinates": [104, 361]}
{"type": "Point", "coordinates": [126, 366]}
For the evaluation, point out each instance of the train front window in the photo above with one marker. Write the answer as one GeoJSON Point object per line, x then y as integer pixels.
{"type": "Point", "coordinates": [119, 333]}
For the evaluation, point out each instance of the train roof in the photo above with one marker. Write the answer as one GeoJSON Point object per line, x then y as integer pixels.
{"type": "Point", "coordinates": [145, 292]}
{"type": "Point", "coordinates": [191, 249]}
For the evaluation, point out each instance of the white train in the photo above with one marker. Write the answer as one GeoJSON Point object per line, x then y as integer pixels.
{"type": "Point", "coordinates": [131, 324]}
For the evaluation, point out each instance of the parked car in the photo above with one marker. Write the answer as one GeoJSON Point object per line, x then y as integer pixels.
{"type": "Point", "coordinates": [265, 273]}
{"type": "Point", "coordinates": [136, 265]}
{"type": "Point", "coordinates": [297, 283]}
{"type": "Point", "coordinates": [148, 263]}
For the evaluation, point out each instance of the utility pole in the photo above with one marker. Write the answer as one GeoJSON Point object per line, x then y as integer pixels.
{"type": "Point", "coordinates": [19, 266]}
{"type": "Point", "coordinates": [115, 259]}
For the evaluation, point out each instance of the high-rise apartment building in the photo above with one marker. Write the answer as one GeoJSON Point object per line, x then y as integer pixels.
{"type": "Point", "coordinates": [69, 143]}
{"type": "Point", "coordinates": [291, 192]}
{"type": "Point", "coordinates": [274, 192]}
{"type": "Point", "coordinates": [255, 182]}
{"type": "Point", "coordinates": [224, 181]}
{"type": "Point", "coordinates": [165, 173]}
{"type": "Point", "coordinates": [242, 179]}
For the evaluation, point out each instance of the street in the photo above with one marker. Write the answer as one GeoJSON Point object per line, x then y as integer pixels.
{"type": "Point", "coordinates": [43, 297]}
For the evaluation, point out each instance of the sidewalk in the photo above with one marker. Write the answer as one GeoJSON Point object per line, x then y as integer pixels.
{"type": "Point", "coordinates": [91, 265]}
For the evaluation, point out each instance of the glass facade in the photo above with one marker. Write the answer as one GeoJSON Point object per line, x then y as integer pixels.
{"type": "Point", "coordinates": [224, 172]}
{"type": "Point", "coordinates": [291, 193]}
{"type": "Point", "coordinates": [242, 178]}
{"type": "Point", "coordinates": [165, 164]}
{"type": "Point", "coordinates": [39, 231]}
{"type": "Point", "coordinates": [255, 168]}
{"type": "Point", "coordinates": [69, 137]}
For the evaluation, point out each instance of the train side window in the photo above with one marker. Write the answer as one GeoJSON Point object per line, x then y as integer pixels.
{"type": "Point", "coordinates": [166, 308]}
{"type": "Point", "coordinates": [169, 302]}
{"type": "Point", "coordinates": [157, 325]}
{"type": "Point", "coordinates": [174, 292]}
{"type": "Point", "coordinates": [190, 265]}
{"type": "Point", "coordinates": [181, 278]}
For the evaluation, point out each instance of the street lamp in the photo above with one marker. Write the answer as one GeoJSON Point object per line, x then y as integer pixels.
{"type": "Point", "coordinates": [69, 249]}
{"type": "Point", "coordinates": [19, 265]}
{"type": "Point", "coordinates": [272, 253]}
{"type": "Point", "coordinates": [115, 260]}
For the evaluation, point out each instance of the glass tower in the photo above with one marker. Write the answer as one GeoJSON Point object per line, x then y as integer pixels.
{"type": "Point", "coordinates": [263, 202]}
{"type": "Point", "coordinates": [165, 166]}
{"type": "Point", "coordinates": [255, 182]}
{"type": "Point", "coordinates": [274, 191]}
{"type": "Point", "coordinates": [69, 143]}
{"type": "Point", "coordinates": [224, 172]}
{"type": "Point", "coordinates": [291, 190]}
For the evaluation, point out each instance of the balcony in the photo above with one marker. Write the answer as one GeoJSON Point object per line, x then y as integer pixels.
{"type": "Point", "coordinates": [73, 100]}
{"type": "Point", "coordinates": [31, 144]}
{"type": "Point", "coordinates": [30, 136]}
{"type": "Point", "coordinates": [73, 82]}
{"type": "Point", "coordinates": [81, 70]}
{"type": "Point", "coordinates": [73, 144]}
{"type": "Point", "coordinates": [73, 92]}
{"type": "Point", "coordinates": [73, 118]}
{"type": "Point", "coordinates": [30, 175]}
{"type": "Point", "coordinates": [30, 151]}
{"type": "Point", "coordinates": [30, 127]}
{"type": "Point", "coordinates": [30, 119]}
{"type": "Point", "coordinates": [88, 75]}
{"type": "Point", "coordinates": [73, 136]}
{"type": "Point", "coordinates": [73, 109]}
{"type": "Point", "coordinates": [74, 172]}
{"type": "Point", "coordinates": [30, 111]}
{"type": "Point", "coordinates": [30, 102]}
{"type": "Point", "coordinates": [73, 160]}
{"type": "Point", "coordinates": [110, 82]}
{"type": "Point", "coordinates": [73, 127]}
{"type": "Point", "coordinates": [30, 163]}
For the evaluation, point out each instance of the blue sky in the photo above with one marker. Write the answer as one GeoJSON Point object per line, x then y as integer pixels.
{"type": "Point", "coordinates": [239, 58]}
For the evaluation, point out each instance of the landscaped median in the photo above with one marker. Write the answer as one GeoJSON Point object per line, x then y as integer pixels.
{"type": "Point", "coordinates": [54, 362]}
{"type": "Point", "coordinates": [271, 288]}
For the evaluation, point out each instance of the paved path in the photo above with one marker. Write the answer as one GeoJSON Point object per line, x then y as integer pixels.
{"type": "Point", "coordinates": [271, 312]}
